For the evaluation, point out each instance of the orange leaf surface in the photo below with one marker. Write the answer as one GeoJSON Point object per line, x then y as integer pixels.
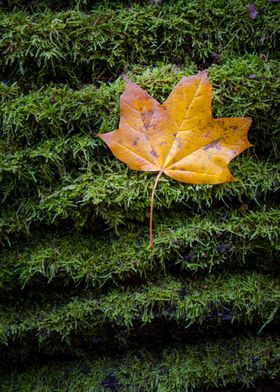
{"type": "Point", "coordinates": [180, 137]}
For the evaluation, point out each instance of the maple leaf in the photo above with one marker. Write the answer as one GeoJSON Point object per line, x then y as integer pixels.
{"type": "Point", "coordinates": [179, 138]}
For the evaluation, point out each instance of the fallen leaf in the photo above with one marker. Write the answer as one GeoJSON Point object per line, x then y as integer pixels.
{"type": "Point", "coordinates": [180, 137]}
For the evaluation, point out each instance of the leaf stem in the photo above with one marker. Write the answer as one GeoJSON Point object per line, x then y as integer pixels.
{"type": "Point", "coordinates": [151, 208]}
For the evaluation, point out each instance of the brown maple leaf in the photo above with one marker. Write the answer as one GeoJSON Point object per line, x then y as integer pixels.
{"type": "Point", "coordinates": [180, 137]}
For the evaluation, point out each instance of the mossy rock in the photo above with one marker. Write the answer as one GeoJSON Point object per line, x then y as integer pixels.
{"type": "Point", "coordinates": [85, 304]}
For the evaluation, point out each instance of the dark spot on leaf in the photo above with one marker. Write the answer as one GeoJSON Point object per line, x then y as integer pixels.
{"type": "Point", "coordinates": [206, 135]}
{"type": "Point", "coordinates": [153, 153]}
{"type": "Point", "coordinates": [147, 117]}
{"type": "Point", "coordinates": [212, 145]}
{"type": "Point", "coordinates": [135, 142]}
{"type": "Point", "coordinates": [252, 11]}
{"type": "Point", "coordinates": [179, 143]}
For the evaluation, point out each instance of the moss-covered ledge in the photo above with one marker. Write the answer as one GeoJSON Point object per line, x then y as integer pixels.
{"type": "Point", "coordinates": [239, 362]}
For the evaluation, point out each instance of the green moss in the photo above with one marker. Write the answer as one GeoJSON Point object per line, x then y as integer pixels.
{"type": "Point", "coordinates": [53, 111]}
{"type": "Point", "coordinates": [117, 196]}
{"type": "Point", "coordinates": [54, 168]}
{"type": "Point", "coordinates": [73, 45]}
{"type": "Point", "coordinates": [179, 368]}
{"type": "Point", "coordinates": [191, 243]}
{"type": "Point", "coordinates": [76, 274]}
{"type": "Point", "coordinates": [244, 298]}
